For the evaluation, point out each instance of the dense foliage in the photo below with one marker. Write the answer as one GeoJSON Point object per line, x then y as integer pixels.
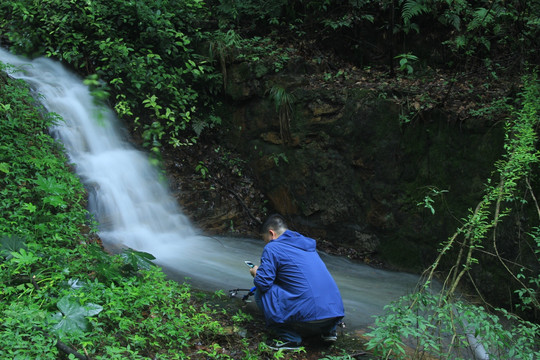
{"type": "Point", "coordinates": [144, 52]}
{"type": "Point", "coordinates": [61, 293]}
{"type": "Point", "coordinates": [498, 35]}
{"type": "Point", "coordinates": [444, 325]}
{"type": "Point", "coordinates": [164, 64]}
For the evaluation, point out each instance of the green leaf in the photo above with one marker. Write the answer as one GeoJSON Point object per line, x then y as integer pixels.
{"type": "Point", "coordinates": [55, 201]}
{"type": "Point", "coordinates": [31, 208]}
{"type": "Point", "coordinates": [72, 318]}
{"type": "Point", "coordinates": [4, 167]}
{"type": "Point", "coordinates": [138, 259]}
{"type": "Point", "coordinates": [198, 126]}
{"type": "Point", "coordinates": [461, 41]}
{"type": "Point", "coordinates": [23, 257]}
{"type": "Point", "coordinates": [10, 244]}
{"type": "Point", "coordinates": [50, 185]}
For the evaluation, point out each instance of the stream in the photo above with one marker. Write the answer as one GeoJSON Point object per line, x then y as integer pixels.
{"type": "Point", "coordinates": [134, 207]}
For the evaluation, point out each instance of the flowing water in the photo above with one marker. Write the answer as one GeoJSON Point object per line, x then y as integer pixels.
{"type": "Point", "coordinates": [134, 208]}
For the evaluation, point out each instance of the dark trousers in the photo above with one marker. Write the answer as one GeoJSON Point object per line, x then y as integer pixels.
{"type": "Point", "coordinates": [294, 331]}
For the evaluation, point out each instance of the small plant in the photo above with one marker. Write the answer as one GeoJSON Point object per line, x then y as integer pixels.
{"type": "Point", "coordinates": [340, 74]}
{"type": "Point", "coordinates": [241, 318]}
{"type": "Point", "coordinates": [136, 260]}
{"type": "Point", "coordinates": [214, 351]}
{"type": "Point", "coordinates": [283, 103]}
{"type": "Point", "coordinates": [72, 316]}
{"type": "Point", "coordinates": [231, 161]}
{"type": "Point", "coordinates": [202, 169]}
{"type": "Point", "coordinates": [406, 62]}
{"type": "Point", "coordinates": [428, 199]}
{"type": "Point", "coordinates": [277, 157]}
{"type": "Point", "coordinates": [219, 294]}
{"type": "Point", "coordinates": [10, 245]}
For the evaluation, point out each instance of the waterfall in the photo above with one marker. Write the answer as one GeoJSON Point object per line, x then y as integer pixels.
{"type": "Point", "coordinates": [135, 209]}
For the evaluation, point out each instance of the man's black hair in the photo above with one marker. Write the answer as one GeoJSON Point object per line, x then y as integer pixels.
{"type": "Point", "coordinates": [274, 222]}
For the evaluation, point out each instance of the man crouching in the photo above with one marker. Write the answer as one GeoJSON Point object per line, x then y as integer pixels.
{"type": "Point", "coordinates": [295, 290]}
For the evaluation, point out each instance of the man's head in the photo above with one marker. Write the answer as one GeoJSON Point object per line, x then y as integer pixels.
{"type": "Point", "coordinates": [273, 227]}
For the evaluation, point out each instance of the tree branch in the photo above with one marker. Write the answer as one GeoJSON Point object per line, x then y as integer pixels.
{"type": "Point", "coordinates": [63, 347]}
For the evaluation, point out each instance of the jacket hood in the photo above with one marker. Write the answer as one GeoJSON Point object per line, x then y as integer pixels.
{"type": "Point", "coordinates": [297, 240]}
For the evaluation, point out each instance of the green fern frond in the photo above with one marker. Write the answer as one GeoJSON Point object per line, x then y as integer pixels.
{"type": "Point", "coordinates": [481, 18]}
{"type": "Point", "coordinates": [412, 8]}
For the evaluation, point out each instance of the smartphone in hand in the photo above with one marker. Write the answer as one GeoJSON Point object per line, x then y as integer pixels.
{"type": "Point", "coordinates": [249, 263]}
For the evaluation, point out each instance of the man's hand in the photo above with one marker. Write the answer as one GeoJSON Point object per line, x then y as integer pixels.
{"type": "Point", "coordinates": [253, 270]}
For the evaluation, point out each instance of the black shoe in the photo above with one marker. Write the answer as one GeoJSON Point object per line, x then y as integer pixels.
{"type": "Point", "coordinates": [330, 337]}
{"type": "Point", "coordinates": [284, 345]}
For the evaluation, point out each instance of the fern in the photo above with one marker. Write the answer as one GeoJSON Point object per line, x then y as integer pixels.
{"type": "Point", "coordinates": [412, 8]}
{"type": "Point", "coordinates": [481, 17]}
{"type": "Point", "coordinates": [283, 102]}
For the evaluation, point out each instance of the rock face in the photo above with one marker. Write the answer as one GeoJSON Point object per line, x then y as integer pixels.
{"type": "Point", "coordinates": [336, 159]}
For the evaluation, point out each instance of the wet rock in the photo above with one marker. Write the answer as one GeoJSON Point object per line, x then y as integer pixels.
{"type": "Point", "coordinates": [367, 242]}
{"type": "Point", "coordinates": [354, 163]}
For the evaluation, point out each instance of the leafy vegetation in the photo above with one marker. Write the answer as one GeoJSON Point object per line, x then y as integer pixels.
{"type": "Point", "coordinates": [283, 104]}
{"type": "Point", "coordinates": [443, 325]}
{"type": "Point", "coordinates": [63, 296]}
{"type": "Point", "coordinates": [61, 293]}
{"type": "Point", "coordinates": [165, 62]}
{"type": "Point", "coordinates": [164, 65]}
{"type": "Point", "coordinates": [144, 51]}
{"type": "Point", "coordinates": [159, 59]}
{"type": "Point", "coordinates": [496, 34]}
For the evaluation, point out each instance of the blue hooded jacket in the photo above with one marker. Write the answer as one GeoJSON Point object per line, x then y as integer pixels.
{"type": "Point", "coordinates": [294, 282]}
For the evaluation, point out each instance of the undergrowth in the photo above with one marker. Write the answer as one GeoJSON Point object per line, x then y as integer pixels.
{"type": "Point", "coordinates": [61, 294]}
{"type": "Point", "coordinates": [444, 326]}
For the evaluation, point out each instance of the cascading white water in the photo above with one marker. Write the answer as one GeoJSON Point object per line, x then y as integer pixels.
{"type": "Point", "coordinates": [134, 208]}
